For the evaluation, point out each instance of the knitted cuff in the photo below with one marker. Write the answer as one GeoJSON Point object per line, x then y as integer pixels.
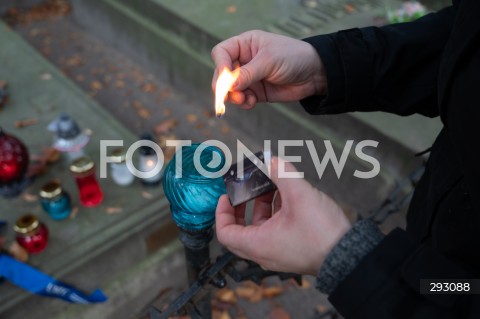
{"type": "Point", "coordinates": [347, 254]}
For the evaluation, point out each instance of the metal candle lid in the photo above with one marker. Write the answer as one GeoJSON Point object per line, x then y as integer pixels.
{"type": "Point", "coordinates": [118, 155]}
{"type": "Point", "coordinates": [82, 165]}
{"type": "Point", "coordinates": [51, 190]}
{"type": "Point", "coordinates": [26, 224]}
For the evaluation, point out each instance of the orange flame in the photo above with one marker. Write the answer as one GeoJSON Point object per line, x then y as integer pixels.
{"type": "Point", "coordinates": [225, 81]}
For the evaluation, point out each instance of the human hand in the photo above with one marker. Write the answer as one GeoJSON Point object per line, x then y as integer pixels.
{"type": "Point", "coordinates": [290, 232]}
{"type": "Point", "coordinates": [273, 68]}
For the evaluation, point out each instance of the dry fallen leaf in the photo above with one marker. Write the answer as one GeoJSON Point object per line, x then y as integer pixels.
{"type": "Point", "coordinates": [231, 9]}
{"type": "Point", "coordinates": [147, 195]}
{"type": "Point", "coordinates": [113, 210]}
{"type": "Point", "coordinates": [120, 84]}
{"type": "Point", "coordinates": [305, 284]}
{"type": "Point", "coordinates": [18, 252]}
{"type": "Point", "coordinates": [209, 114]}
{"type": "Point", "coordinates": [165, 126]}
{"type": "Point", "coordinates": [191, 118]}
{"type": "Point", "coordinates": [350, 8]}
{"type": "Point", "coordinates": [96, 85]}
{"type": "Point", "coordinates": [137, 104]}
{"type": "Point", "coordinates": [167, 111]}
{"type": "Point", "coordinates": [226, 295]}
{"type": "Point", "coordinates": [144, 113]}
{"type": "Point", "coordinates": [29, 198]}
{"type": "Point", "coordinates": [74, 61]}
{"type": "Point", "coordinates": [279, 313]}
{"type": "Point", "coordinates": [321, 308]}
{"type": "Point", "coordinates": [271, 292]}
{"type": "Point", "coordinates": [74, 212]}
{"type": "Point", "coordinates": [79, 78]}
{"type": "Point", "coordinates": [225, 315]}
{"type": "Point", "coordinates": [225, 129]}
{"type": "Point", "coordinates": [25, 123]}
{"type": "Point", "coordinates": [149, 88]}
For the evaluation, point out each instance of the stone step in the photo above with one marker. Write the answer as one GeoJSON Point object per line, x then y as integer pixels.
{"type": "Point", "coordinates": [181, 35]}
{"type": "Point", "coordinates": [92, 247]}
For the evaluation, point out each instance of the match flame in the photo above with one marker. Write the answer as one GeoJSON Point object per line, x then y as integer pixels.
{"type": "Point", "coordinates": [225, 81]}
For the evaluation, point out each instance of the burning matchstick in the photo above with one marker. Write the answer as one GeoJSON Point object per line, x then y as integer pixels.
{"type": "Point", "coordinates": [225, 81]}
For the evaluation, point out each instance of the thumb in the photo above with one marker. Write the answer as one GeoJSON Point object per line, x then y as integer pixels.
{"type": "Point", "coordinates": [228, 231]}
{"type": "Point", "coordinates": [250, 73]}
{"type": "Point", "coordinates": [285, 176]}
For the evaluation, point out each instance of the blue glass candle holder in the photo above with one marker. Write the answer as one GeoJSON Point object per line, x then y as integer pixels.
{"type": "Point", "coordinates": [194, 197]}
{"type": "Point", "coordinates": [55, 200]}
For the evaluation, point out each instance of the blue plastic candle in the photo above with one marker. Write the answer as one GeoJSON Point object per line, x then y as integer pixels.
{"type": "Point", "coordinates": [194, 197]}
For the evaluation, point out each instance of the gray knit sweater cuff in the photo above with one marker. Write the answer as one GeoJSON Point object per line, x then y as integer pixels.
{"type": "Point", "coordinates": [347, 254]}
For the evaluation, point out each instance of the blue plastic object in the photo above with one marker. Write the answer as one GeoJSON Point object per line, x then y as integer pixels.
{"type": "Point", "coordinates": [59, 208]}
{"type": "Point", "coordinates": [194, 197]}
{"type": "Point", "coordinates": [35, 281]}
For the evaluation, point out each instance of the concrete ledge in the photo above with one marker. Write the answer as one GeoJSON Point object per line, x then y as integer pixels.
{"type": "Point", "coordinates": [88, 249]}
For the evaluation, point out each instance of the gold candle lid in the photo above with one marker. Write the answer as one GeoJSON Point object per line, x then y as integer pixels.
{"type": "Point", "coordinates": [82, 165]}
{"type": "Point", "coordinates": [51, 190]}
{"type": "Point", "coordinates": [118, 155]}
{"type": "Point", "coordinates": [26, 224]}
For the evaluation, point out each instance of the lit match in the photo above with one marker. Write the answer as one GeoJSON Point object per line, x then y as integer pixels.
{"type": "Point", "coordinates": [225, 81]}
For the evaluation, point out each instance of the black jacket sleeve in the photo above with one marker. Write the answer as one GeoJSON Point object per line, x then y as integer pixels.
{"type": "Point", "coordinates": [386, 284]}
{"type": "Point", "coordinates": [392, 68]}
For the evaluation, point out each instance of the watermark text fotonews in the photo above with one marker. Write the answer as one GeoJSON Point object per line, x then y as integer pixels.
{"type": "Point", "coordinates": [320, 162]}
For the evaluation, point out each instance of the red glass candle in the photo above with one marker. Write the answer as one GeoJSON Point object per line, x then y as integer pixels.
{"type": "Point", "coordinates": [83, 170]}
{"type": "Point", "coordinates": [31, 233]}
{"type": "Point", "coordinates": [13, 158]}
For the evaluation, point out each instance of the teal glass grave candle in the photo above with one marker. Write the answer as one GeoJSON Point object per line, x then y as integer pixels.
{"type": "Point", "coordinates": [194, 197]}
{"type": "Point", "coordinates": [55, 200]}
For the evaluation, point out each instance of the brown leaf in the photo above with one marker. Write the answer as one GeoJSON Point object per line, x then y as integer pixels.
{"type": "Point", "coordinates": [271, 292]}
{"type": "Point", "coordinates": [144, 113]}
{"type": "Point", "coordinates": [147, 195]}
{"type": "Point", "coordinates": [149, 88]}
{"type": "Point", "coordinates": [165, 126]}
{"type": "Point", "coordinates": [231, 9]}
{"type": "Point", "coordinates": [51, 155]}
{"type": "Point", "coordinates": [245, 292]}
{"type": "Point", "coordinates": [225, 315]}
{"type": "Point", "coordinates": [209, 114]}
{"type": "Point", "coordinates": [25, 123]}
{"type": "Point", "coordinates": [225, 129]}
{"type": "Point", "coordinates": [29, 198]}
{"type": "Point", "coordinates": [200, 126]}
{"type": "Point", "coordinates": [137, 104]}
{"type": "Point", "coordinates": [18, 252]}
{"type": "Point", "coordinates": [113, 210]}
{"type": "Point", "coordinates": [220, 305]}
{"type": "Point", "coordinates": [321, 308]}
{"type": "Point", "coordinates": [226, 295]}
{"type": "Point", "coordinates": [167, 111]}
{"type": "Point", "coordinates": [120, 84]}
{"type": "Point", "coordinates": [74, 61]}
{"type": "Point", "coordinates": [166, 92]}
{"type": "Point", "coordinates": [257, 296]}
{"type": "Point", "coordinates": [279, 313]}
{"type": "Point", "coordinates": [74, 212]}
{"type": "Point", "coordinates": [96, 85]}
{"type": "Point", "coordinates": [305, 284]}
{"type": "Point", "coordinates": [350, 8]}
{"type": "Point", "coordinates": [79, 78]}
{"type": "Point", "coordinates": [191, 118]}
